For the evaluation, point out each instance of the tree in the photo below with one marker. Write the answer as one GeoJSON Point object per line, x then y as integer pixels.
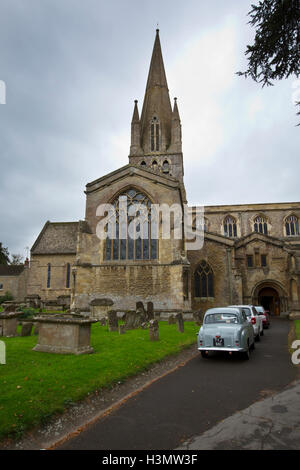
{"type": "Point", "coordinates": [16, 259]}
{"type": "Point", "coordinates": [4, 255]}
{"type": "Point", "coordinates": [275, 53]}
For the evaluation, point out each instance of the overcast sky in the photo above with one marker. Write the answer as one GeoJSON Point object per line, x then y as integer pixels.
{"type": "Point", "coordinates": [72, 70]}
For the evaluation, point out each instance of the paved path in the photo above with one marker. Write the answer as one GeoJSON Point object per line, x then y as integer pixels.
{"type": "Point", "coordinates": [194, 398]}
{"type": "Point", "coordinates": [270, 424]}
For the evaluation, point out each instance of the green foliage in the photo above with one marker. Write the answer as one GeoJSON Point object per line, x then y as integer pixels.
{"type": "Point", "coordinates": [275, 53]}
{"type": "Point", "coordinates": [28, 312]}
{"type": "Point", "coordinates": [297, 325]}
{"type": "Point", "coordinates": [4, 255]}
{"type": "Point", "coordinates": [35, 385]}
{"type": "Point", "coordinates": [7, 297]}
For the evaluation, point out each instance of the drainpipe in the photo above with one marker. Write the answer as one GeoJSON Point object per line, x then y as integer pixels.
{"type": "Point", "coordinates": [228, 253]}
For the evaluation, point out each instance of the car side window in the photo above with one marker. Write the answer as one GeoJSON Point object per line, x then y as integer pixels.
{"type": "Point", "coordinates": [244, 316]}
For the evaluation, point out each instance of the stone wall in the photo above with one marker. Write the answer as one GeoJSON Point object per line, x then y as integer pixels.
{"type": "Point", "coordinates": [37, 282]}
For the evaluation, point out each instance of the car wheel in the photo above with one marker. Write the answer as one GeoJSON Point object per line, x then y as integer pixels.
{"type": "Point", "coordinates": [257, 337]}
{"type": "Point", "coordinates": [204, 355]}
{"type": "Point", "coordinates": [246, 354]}
{"type": "Point", "coordinates": [262, 332]}
{"type": "Point", "coordinates": [253, 345]}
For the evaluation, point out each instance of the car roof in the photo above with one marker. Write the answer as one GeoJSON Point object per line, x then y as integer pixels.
{"type": "Point", "coordinates": [222, 310]}
{"type": "Point", "coordinates": [241, 306]}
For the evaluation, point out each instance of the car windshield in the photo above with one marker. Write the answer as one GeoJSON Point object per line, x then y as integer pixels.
{"type": "Point", "coordinates": [247, 311]}
{"type": "Point", "coordinates": [259, 309]}
{"type": "Point", "coordinates": [221, 318]}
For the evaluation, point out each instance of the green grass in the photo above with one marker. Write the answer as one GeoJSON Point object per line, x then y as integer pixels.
{"type": "Point", "coordinates": [297, 326]}
{"type": "Point", "coordinates": [35, 385]}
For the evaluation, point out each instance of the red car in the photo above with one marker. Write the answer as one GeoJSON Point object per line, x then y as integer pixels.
{"type": "Point", "coordinates": [265, 314]}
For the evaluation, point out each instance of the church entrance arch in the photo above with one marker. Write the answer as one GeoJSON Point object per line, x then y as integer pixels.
{"type": "Point", "coordinates": [271, 296]}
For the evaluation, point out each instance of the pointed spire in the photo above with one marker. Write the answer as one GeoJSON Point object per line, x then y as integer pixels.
{"type": "Point", "coordinates": [156, 101]}
{"type": "Point", "coordinates": [176, 142]}
{"type": "Point", "coordinates": [135, 116]}
{"type": "Point", "coordinates": [175, 114]}
{"type": "Point", "coordinates": [135, 147]}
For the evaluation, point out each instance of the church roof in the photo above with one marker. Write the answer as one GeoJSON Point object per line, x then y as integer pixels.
{"type": "Point", "coordinates": [56, 238]}
{"type": "Point", "coordinates": [11, 270]}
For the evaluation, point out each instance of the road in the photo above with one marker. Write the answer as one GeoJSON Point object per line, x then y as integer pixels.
{"type": "Point", "coordinates": [192, 399]}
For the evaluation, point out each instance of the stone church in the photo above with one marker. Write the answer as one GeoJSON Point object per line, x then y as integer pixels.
{"type": "Point", "coordinates": [250, 254]}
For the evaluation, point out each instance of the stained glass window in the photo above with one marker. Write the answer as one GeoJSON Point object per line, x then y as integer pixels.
{"type": "Point", "coordinates": [142, 245]}
{"type": "Point", "coordinates": [203, 280]}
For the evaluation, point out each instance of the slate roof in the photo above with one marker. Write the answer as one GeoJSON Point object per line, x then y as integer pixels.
{"type": "Point", "coordinates": [11, 270]}
{"type": "Point", "coordinates": [56, 238]}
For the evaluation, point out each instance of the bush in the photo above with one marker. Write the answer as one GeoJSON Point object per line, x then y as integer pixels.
{"type": "Point", "coordinates": [28, 312]}
{"type": "Point", "coordinates": [6, 297]}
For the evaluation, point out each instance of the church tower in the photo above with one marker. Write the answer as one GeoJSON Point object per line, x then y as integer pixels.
{"type": "Point", "coordinates": [156, 136]}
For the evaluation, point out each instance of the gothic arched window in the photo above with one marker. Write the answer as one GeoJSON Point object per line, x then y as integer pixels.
{"type": "Point", "coordinates": [166, 166]}
{"type": "Point", "coordinates": [292, 226]}
{"type": "Point", "coordinates": [133, 230]}
{"type": "Point", "coordinates": [260, 224]}
{"type": "Point", "coordinates": [230, 227]}
{"type": "Point", "coordinates": [48, 275]}
{"type": "Point", "coordinates": [68, 276]}
{"type": "Point", "coordinates": [154, 134]}
{"type": "Point", "coordinates": [203, 280]}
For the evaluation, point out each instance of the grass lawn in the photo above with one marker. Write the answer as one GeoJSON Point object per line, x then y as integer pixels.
{"type": "Point", "coordinates": [34, 385]}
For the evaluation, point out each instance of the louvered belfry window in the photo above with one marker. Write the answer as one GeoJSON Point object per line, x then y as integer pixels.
{"type": "Point", "coordinates": [154, 131]}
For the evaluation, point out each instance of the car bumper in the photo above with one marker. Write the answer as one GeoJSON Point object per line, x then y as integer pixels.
{"type": "Point", "coordinates": [212, 348]}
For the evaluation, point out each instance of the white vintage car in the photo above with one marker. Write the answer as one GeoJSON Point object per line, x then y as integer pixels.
{"type": "Point", "coordinates": [226, 329]}
{"type": "Point", "coordinates": [253, 317]}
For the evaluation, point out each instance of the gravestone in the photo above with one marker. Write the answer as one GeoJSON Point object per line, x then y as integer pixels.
{"type": "Point", "coordinates": [64, 334]}
{"type": "Point", "coordinates": [153, 330]}
{"type": "Point", "coordinates": [180, 322]}
{"type": "Point", "coordinates": [100, 307]}
{"type": "Point", "coordinates": [171, 320]}
{"type": "Point", "coordinates": [26, 329]}
{"type": "Point", "coordinates": [112, 320]}
{"type": "Point", "coordinates": [140, 313]}
{"type": "Point", "coordinates": [9, 323]}
{"type": "Point", "coordinates": [197, 316]}
{"type": "Point", "coordinates": [122, 329]}
{"type": "Point", "coordinates": [102, 321]}
{"type": "Point", "coordinates": [150, 311]}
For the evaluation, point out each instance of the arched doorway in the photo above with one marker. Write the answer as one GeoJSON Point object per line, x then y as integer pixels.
{"type": "Point", "coordinates": [268, 297]}
{"type": "Point", "coordinates": [271, 295]}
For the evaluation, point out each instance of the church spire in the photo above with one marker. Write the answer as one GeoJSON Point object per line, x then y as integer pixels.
{"type": "Point", "coordinates": [135, 147]}
{"type": "Point", "coordinates": [157, 110]}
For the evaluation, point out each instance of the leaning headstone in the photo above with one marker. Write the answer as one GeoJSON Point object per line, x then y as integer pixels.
{"type": "Point", "coordinates": [26, 329]}
{"type": "Point", "coordinates": [180, 322]}
{"type": "Point", "coordinates": [171, 320]}
{"type": "Point", "coordinates": [112, 320]}
{"type": "Point", "coordinates": [150, 311]}
{"type": "Point", "coordinates": [153, 330]}
{"type": "Point", "coordinates": [122, 329]}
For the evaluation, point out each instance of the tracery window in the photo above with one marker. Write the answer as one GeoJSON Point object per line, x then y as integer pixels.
{"type": "Point", "coordinates": [154, 134]}
{"type": "Point", "coordinates": [203, 280]}
{"type": "Point", "coordinates": [292, 226]}
{"type": "Point", "coordinates": [260, 225]}
{"type": "Point", "coordinates": [230, 227]}
{"type": "Point", "coordinates": [124, 246]}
